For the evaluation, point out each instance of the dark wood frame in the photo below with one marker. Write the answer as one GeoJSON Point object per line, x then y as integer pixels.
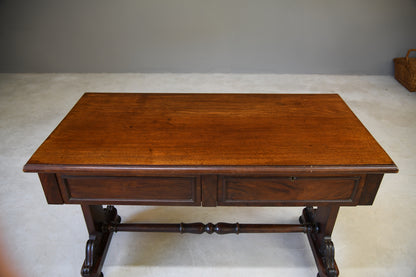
{"type": "Point", "coordinates": [71, 172]}
{"type": "Point", "coordinates": [317, 223]}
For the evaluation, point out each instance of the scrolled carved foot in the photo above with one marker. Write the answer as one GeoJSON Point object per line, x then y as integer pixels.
{"type": "Point", "coordinates": [93, 254]}
{"type": "Point", "coordinates": [87, 268]}
{"type": "Point", "coordinates": [98, 220]}
{"type": "Point", "coordinates": [327, 252]}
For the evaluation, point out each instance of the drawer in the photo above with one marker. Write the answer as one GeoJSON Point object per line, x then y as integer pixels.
{"type": "Point", "coordinates": [276, 191]}
{"type": "Point", "coordinates": [146, 190]}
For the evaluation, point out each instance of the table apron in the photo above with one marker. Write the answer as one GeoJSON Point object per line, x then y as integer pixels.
{"type": "Point", "coordinates": [211, 190]}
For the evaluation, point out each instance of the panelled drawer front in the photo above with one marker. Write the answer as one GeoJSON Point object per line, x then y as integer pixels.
{"type": "Point", "coordinates": [146, 190]}
{"type": "Point", "coordinates": [240, 190]}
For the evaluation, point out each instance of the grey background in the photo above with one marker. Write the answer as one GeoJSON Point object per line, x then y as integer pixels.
{"type": "Point", "coordinates": [237, 36]}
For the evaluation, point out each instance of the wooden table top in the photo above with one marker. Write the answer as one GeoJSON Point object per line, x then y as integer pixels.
{"type": "Point", "coordinates": [275, 132]}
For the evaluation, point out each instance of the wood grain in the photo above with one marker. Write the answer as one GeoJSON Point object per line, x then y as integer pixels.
{"type": "Point", "coordinates": [283, 191]}
{"type": "Point", "coordinates": [209, 150]}
{"type": "Point", "coordinates": [149, 190]}
{"type": "Point", "coordinates": [203, 130]}
{"type": "Point", "coordinates": [51, 188]}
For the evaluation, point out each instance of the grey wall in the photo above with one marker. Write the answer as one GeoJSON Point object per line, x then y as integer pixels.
{"type": "Point", "coordinates": [239, 36]}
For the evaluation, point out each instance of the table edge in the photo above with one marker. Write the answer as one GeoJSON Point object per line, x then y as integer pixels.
{"type": "Point", "coordinates": [211, 169]}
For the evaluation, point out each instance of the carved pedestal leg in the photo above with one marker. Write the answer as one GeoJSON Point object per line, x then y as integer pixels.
{"type": "Point", "coordinates": [97, 220]}
{"type": "Point", "coordinates": [322, 246]}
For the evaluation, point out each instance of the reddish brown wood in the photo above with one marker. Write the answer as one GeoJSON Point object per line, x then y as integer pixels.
{"type": "Point", "coordinates": [226, 169]}
{"type": "Point", "coordinates": [96, 218]}
{"type": "Point", "coordinates": [278, 190]}
{"type": "Point", "coordinates": [219, 228]}
{"type": "Point", "coordinates": [321, 244]}
{"type": "Point", "coordinates": [372, 183]}
{"type": "Point", "coordinates": [197, 130]}
{"type": "Point", "coordinates": [51, 188]}
{"type": "Point", "coordinates": [145, 190]}
{"type": "Point", "coordinates": [209, 190]}
{"type": "Point", "coordinates": [211, 149]}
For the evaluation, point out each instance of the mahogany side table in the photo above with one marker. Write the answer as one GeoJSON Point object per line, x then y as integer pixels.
{"type": "Point", "coordinates": [210, 150]}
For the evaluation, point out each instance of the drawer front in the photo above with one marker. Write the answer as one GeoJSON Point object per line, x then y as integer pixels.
{"type": "Point", "coordinates": [146, 190]}
{"type": "Point", "coordinates": [276, 191]}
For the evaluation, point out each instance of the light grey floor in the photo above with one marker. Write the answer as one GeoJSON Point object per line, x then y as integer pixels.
{"type": "Point", "coordinates": [48, 240]}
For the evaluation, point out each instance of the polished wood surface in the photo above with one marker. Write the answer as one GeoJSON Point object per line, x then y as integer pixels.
{"type": "Point", "coordinates": [128, 131]}
{"type": "Point", "coordinates": [238, 190]}
{"type": "Point", "coordinates": [144, 190]}
{"type": "Point", "coordinates": [210, 150]}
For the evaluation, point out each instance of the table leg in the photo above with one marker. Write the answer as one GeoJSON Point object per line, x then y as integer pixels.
{"type": "Point", "coordinates": [96, 219]}
{"type": "Point", "coordinates": [322, 246]}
